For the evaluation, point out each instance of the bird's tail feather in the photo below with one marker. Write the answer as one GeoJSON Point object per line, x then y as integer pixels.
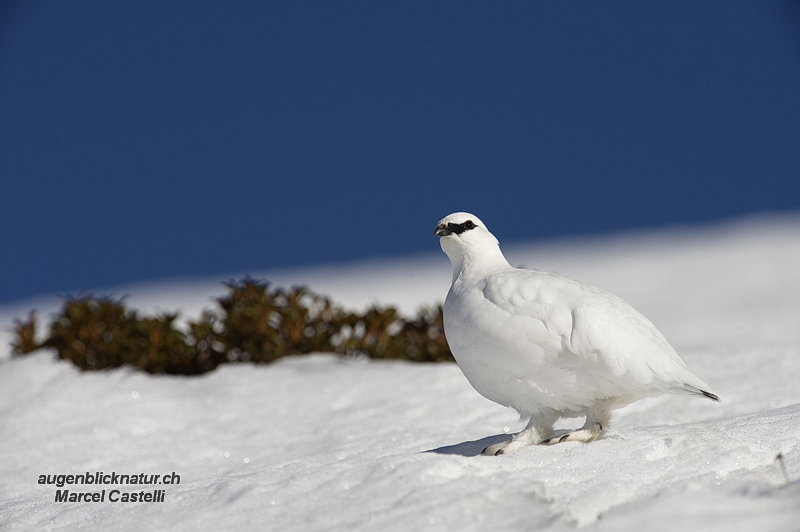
{"type": "Point", "coordinates": [688, 388]}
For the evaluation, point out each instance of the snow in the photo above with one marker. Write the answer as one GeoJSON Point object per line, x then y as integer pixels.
{"type": "Point", "coordinates": [317, 443]}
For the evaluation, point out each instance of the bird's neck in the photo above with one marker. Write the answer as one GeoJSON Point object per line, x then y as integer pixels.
{"type": "Point", "coordinates": [478, 263]}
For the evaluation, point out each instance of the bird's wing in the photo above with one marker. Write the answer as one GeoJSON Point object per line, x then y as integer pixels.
{"type": "Point", "coordinates": [529, 302]}
{"type": "Point", "coordinates": [625, 340]}
{"type": "Point", "coordinates": [589, 322]}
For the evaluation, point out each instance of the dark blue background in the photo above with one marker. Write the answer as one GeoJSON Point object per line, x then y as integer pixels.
{"type": "Point", "coordinates": [152, 139]}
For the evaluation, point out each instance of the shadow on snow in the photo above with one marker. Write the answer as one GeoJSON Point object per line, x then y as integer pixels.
{"type": "Point", "coordinates": [471, 448]}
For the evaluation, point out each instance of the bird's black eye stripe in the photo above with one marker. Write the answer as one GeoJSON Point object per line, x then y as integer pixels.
{"type": "Point", "coordinates": [460, 228]}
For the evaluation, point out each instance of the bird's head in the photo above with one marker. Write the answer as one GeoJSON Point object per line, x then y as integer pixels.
{"type": "Point", "coordinates": [467, 242]}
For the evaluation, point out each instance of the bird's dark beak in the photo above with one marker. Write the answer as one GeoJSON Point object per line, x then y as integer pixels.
{"type": "Point", "coordinates": [441, 231]}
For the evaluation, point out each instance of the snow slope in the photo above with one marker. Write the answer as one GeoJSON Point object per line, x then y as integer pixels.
{"type": "Point", "coordinates": [317, 443]}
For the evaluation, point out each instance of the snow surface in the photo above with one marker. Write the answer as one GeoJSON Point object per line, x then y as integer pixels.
{"type": "Point", "coordinates": [317, 443]}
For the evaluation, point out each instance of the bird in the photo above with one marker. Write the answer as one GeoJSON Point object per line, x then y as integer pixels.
{"type": "Point", "coordinates": [548, 346]}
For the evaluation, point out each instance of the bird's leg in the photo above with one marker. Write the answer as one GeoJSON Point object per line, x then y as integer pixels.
{"type": "Point", "coordinates": [539, 428]}
{"type": "Point", "coordinates": [597, 420]}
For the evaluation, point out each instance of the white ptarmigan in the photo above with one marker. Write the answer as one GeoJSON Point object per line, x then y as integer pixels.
{"type": "Point", "coordinates": [546, 345]}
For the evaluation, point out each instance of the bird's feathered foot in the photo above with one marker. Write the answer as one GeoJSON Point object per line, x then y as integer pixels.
{"type": "Point", "coordinates": [539, 428]}
{"type": "Point", "coordinates": [584, 435]}
{"type": "Point", "coordinates": [587, 433]}
{"type": "Point", "coordinates": [497, 449]}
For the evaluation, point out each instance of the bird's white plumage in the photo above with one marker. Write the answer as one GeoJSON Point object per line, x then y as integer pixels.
{"type": "Point", "coordinates": [546, 345]}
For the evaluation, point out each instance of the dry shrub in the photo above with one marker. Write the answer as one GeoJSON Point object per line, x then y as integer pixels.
{"type": "Point", "coordinates": [252, 323]}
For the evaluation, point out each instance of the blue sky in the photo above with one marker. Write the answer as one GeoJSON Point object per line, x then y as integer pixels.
{"type": "Point", "coordinates": [148, 140]}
